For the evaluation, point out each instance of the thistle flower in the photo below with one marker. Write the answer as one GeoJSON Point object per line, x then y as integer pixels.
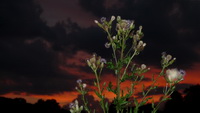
{"type": "Point", "coordinates": [103, 60]}
{"type": "Point", "coordinates": [143, 66]}
{"type": "Point", "coordinates": [118, 18]}
{"type": "Point", "coordinates": [112, 18]}
{"type": "Point", "coordinates": [167, 59]}
{"type": "Point", "coordinates": [74, 107]}
{"type": "Point", "coordinates": [96, 62]}
{"type": "Point", "coordinates": [79, 81]}
{"type": "Point", "coordinates": [174, 75]}
{"type": "Point", "coordinates": [96, 21]}
{"type": "Point", "coordinates": [140, 46]}
{"type": "Point", "coordinates": [71, 105]}
{"type": "Point", "coordinates": [84, 85]}
{"type": "Point", "coordinates": [103, 19]}
{"type": "Point", "coordinates": [107, 45]}
{"type": "Point", "coordinates": [124, 25]}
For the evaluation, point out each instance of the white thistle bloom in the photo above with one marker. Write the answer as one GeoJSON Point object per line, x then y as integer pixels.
{"type": "Point", "coordinates": [143, 66]}
{"type": "Point", "coordinates": [173, 75]}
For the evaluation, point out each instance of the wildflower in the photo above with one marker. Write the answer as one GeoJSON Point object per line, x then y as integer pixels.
{"type": "Point", "coordinates": [107, 45]}
{"type": "Point", "coordinates": [182, 72]}
{"type": "Point", "coordinates": [79, 81]}
{"type": "Point", "coordinates": [103, 19]}
{"type": "Point", "coordinates": [140, 45]}
{"type": "Point", "coordinates": [103, 60]}
{"type": "Point", "coordinates": [167, 59]}
{"type": "Point", "coordinates": [114, 38]}
{"type": "Point", "coordinates": [71, 105]}
{"type": "Point", "coordinates": [118, 18]}
{"type": "Point", "coordinates": [84, 85]}
{"type": "Point", "coordinates": [96, 62]}
{"type": "Point", "coordinates": [124, 25]}
{"type": "Point", "coordinates": [95, 21]}
{"type": "Point", "coordinates": [74, 107]}
{"type": "Point", "coordinates": [143, 66]}
{"type": "Point", "coordinates": [174, 75]}
{"type": "Point", "coordinates": [112, 18]}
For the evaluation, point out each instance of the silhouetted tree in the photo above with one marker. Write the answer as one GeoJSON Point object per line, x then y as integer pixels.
{"type": "Point", "coordinates": [19, 105]}
{"type": "Point", "coordinates": [175, 105]}
{"type": "Point", "coordinates": [192, 99]}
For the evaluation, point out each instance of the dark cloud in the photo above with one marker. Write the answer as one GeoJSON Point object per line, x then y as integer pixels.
{"type": "Point", "coordinates": [21, 19]}
{"type": "Point", "coordinates": [29, 59]}
{"type": "Point", "coordinates": [31, 68]}
{"type": "Point", "coordinates": [94, 6]}
{"type": "Point", "coordinates": [170, 26]}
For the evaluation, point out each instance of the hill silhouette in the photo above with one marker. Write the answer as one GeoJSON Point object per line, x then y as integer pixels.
{"type": "Point", "coordinates": [178, 104]}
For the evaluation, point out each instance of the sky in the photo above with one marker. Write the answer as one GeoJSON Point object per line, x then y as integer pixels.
{"type": "Point", "coordinates": [44, 43]}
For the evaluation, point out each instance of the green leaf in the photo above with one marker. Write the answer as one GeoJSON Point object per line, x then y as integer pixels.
{"type": "Point", "coordinates": [152, 105]}
{"type": "Point", "coordinates": [104, 83]}
{"type": "Point", "coordinates": [135, 101]}
{"type": "Point", "coordinates": [109, 88]}
{"type": "Point", "coordinates": [95, 84]}
{"type": "Point", "coordinates": [131, 110]}
{"type": "Point", "coordinates": [106, 105]}
{"type": "Point", "coordinates": [97, 93]}
{"type": "Point", "coordinates": [110, 65]}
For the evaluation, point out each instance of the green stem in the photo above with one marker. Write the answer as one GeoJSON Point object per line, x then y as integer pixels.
{"type": "Point", "coordinates": [85, 104]}
{"type": "Point", "coordinates": [98, 84]}
{"type": "Point", "coordinates": [151, 87]}
{"type": "Point", "coordinates": [99, 89]}
{"type": "Point", "coordinates": [128, 64]}
{"type": "Point", "coordinates": [122, 49]}
{"type": "Point", "coordinates": [114, 53]}
{"type": "Point", "coordinates": [166, 95]}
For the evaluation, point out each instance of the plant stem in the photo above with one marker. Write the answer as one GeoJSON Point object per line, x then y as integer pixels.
{"type": "Point", "coordinates": [85, 104]}
{"type": "Point", "coordinates": [99, 89]}
{"type": "Point", "coordinates": [128, 64]}
{"type": "Point", "coordinates": [166, 95]}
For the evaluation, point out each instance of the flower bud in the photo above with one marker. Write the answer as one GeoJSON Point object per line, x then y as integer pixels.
{"type": "Point", "coordinates": [107, 45]}
{"type": "Point", "coordinates": [103, 19]}
{"type": "Point", "coordinates": [118, 18]}
{"type": "Point", "coordinates": [168, 57]}
{"type": "Point", "coordinates": [112, 18]}
{"type": "Point", "coordinates": [84, 85]}
{"type": "Point", "coordinates": [95, 21]}
{"type": "Point", "coordinates": [79, 81]}
{"type": "Point", "coordinates": [143, 66]}
{"type": "Point", "coordinates": [89, 63]}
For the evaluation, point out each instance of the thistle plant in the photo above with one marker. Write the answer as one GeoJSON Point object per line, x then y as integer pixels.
{"type": "Point", "coordinates": [126, 43]}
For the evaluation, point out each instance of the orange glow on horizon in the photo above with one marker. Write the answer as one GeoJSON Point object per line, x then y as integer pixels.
{"type": "Point", "coordinates": [192, 77]}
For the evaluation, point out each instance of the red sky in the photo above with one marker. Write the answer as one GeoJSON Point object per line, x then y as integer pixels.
{"type": "Point", "coordinates": [192, 77]}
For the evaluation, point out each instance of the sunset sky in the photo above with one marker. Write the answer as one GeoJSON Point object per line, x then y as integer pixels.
{"type": "Point", "coordinates": [44, 43]}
